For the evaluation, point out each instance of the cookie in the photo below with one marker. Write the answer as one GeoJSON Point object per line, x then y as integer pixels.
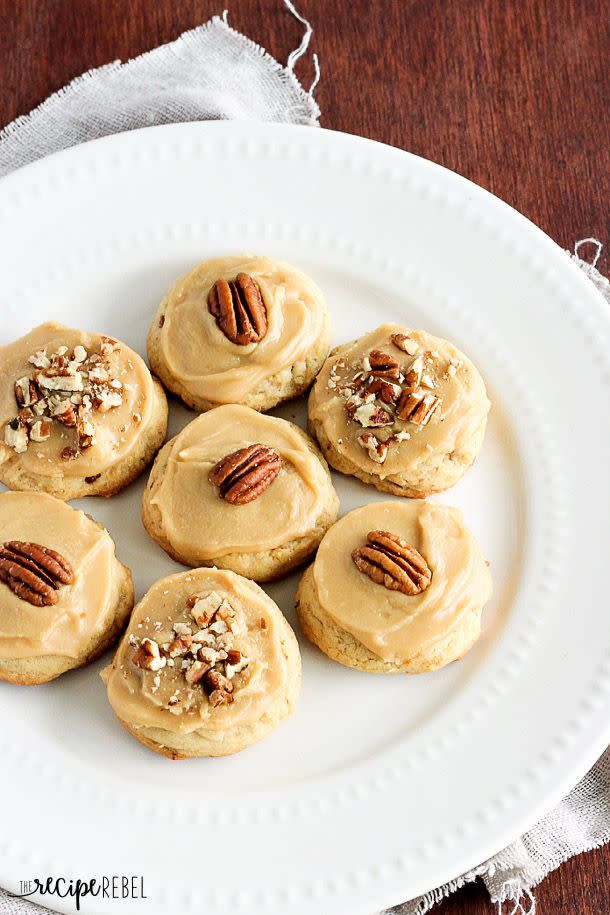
{"type": "Point", "coordinates": [64, 596]}
{"type": "Point", "coordinates": [400, 409]}
{"type": "Point", "coordinates": [207, 667]}
{"type": "Point", "coordinates": [80, 414]}
{"type": "Point", "coordinates": [240, 329]}
{"type": "Point", "coordinates": [241, 491]}
{"type": "Point", "coordinates": [396, 587]}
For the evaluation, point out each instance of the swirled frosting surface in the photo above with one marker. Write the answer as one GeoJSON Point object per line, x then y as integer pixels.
{"type": "Point", "coordinates": [116, 430]}
{"type": "Point", "coordinates": [393, 625]}
{"type": "Point", "coordinates": [199, 355]}
{"type": "Point", "coordinates": [447, 374]}
{"type": "Point", "coordinates": [65, 627]}
{"type": "Point", "coordinates": [162, 698]}
{"type": "Point", "coordinates": [194, 516]}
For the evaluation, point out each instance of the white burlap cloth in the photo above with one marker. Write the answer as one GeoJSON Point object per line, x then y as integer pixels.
{"type": "Point", "coordinates": [214, 72]}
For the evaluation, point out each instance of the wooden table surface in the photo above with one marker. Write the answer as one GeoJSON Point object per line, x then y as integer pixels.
{"type": "Point", "coordinates": [513, 94]}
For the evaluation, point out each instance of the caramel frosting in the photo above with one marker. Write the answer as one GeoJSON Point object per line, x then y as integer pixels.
{"type": "Point", "coordinates": [105, 427]}
{"type": "Point", "coordinates": [196, 519]}
{"type": "Point", "coordinates": [199, 355]}
{"type": "Point", "coordinates": [363, 420]}
{"type": "Point", "coordinates": [180, 633]}
{"type": "Point", "coordinates": [65, 627]}
{"type": "Point", "coordinates": [393, 625]}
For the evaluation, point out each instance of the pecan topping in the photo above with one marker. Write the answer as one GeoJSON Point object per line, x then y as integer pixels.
{"type": "Point", "coordinates": [218, 687]}
{"type": "Point", "coordinates": [392, 562]}
{"type": "Point", "coordinates": [416, 407]}
{"type": "Point", "coordinates": [196, 672]}
{"type": "Point", "coordinates": [383, 365]}
{"type": "Point", "coordinates": [370, 414]}
{"type": "Point", "coordinates": [34, 572]}
{"type": "Point", "coordinates": [64, 387]}
{"type": "Point", "coordinates": [405, 343]}
{"type": "Point", "coordinates": [200, 658]}
{"type": "Point", "coordinates": [244, 474]}
{"type": "Point", "coordinates": [413, 375]}
{"type": "Point", "coordinates": [377, 450]}
{"type": "Point", "coordinates": [64, 414]}
{"type": "Point", "coordinates": [384, 390]}
{"type": "Point", "coordinates": [148, 656]}
{"type": "Point", "coordinates": [26, 392]}
{"type": "Point", "coordinates": [239, 309]}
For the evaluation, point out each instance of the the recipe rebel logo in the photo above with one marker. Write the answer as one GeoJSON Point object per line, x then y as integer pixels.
{"type": "Point", "coordinates": [117, 887]}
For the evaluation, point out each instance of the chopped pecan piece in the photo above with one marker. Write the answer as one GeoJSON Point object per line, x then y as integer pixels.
{"type": "Point", "coordinates": [64, 413]}
{"type": "Point", "coordinates": [26, 392]}
{"type": "Point", "coordinates": [180, 645]}
{"type": "Point", "coordinates": [219, 697]}
{"type": "Point", "coordinates": [244, 474]}
{"type": "Point", "coordinates": [196, 672]}
{"type": "Point", "coordinates": [384, 390]}
{"type": "Point", "coordinates": [148, 656]}
{"type": "Point", "coordinates": [41, 430]}
{"type": "Point", "coordinates": [383, 365]}
{"type": "Point", "coordinates": [371, 414]}
{"type": "Point", "coordinates": [377, 450]}
{"type": "Point", "coordinates": [405, 343]}
{"type": "Point", "coordinates": [16, 436]}
{"type": "Point", "coordinates": [215, 680]}
{"type": "Point", "coordinates": [413, 375]}
{"type": "Point", "coordinates": [218, 687]}
{"type": "Point", "coordinates": [225, 611]}
{"type": "Point", "coordinates": [34, 572]}
{"type": "Point", "coordinates": [392, 562]}
{"type": "Point", "coordinates": [239, 309]}
{"type": "Point", "coordinates": [417, 407]}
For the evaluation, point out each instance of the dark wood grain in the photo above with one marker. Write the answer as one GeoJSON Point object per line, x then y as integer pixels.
{"type": "Point", "coordinates": [513, 94]}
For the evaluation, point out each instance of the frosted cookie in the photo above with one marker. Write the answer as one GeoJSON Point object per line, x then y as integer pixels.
{"type": "Point", "coordinates": [64, 596]}
{"type": "Point", "coordinates": [207, 666]}
{"type": "Point", "coordinates": [240, 329]}
{"type": "Point", "coordinates": [241, 491]}
{"type": "Point", "coordinates": [80, 414]}
{"type": "Point", "coordinates": [400, 409]}
{"type": "Point", "coordinates": [396, 587]}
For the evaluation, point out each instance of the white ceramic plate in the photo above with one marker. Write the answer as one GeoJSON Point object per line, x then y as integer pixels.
{"type": "Point", "coordinates": [378, 788]}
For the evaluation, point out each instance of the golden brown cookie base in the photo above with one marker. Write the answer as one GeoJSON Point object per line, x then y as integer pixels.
{"type": "Point", "coordinates": [110, 481]}
{"type": "Point", "coordinates": [286, 384]}
{"type": "Point", "coordinates": [36, 670]}
{"type": "Point", "coordinates": [189, 746]}
{"type": "Point", "coordinates": [264, 565]}
{"type": "Point", "coordinates": [343, 647]}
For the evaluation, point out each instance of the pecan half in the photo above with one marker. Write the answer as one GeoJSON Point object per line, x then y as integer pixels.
{"type": "Point", "coordinates": [244, 474]}
{"type": "Point", "coordinates": [383, 365]}
{"type": "Point", "coordinates": [34, 572]}
{"type": "Point", "coordinates": [239, 309]}
{"type": "Point", "coordinates": [416, 407]}
{"type": "Point", "coordinates": [392, 562]}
